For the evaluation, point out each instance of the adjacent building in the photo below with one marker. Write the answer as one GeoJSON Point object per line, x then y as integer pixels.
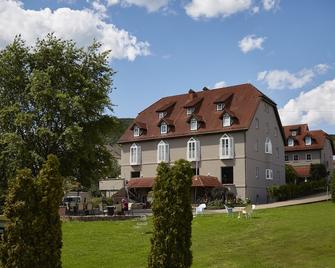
{"type": "Point", "coordinates": [306, 147]}
{"type": "Point", "coordinates": [232, 133]}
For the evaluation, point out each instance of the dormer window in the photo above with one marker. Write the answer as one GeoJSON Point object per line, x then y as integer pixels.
{"type": "Point", "coordinates": [164, 128]}
{"type": "Point", "coordinates": [194, 124]}
{"type": "Point", "coordinates": [226, 120]}
{"type": "Point", "coordinates": [290, 142]}
{"type": "Point", "coordinates": [293, 133]}
{"type": "Point", "coordinates": [190, 110]}
{"type": "Point", "coordinates": [219, 106]}
{"type": "Point", "coordinates": [308, 140]}
{"type": "Point", "coordinates": [136, 131]}
{"type": "Point", "coordinates": [161, 115]}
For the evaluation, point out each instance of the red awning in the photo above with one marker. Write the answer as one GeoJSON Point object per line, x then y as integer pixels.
{"type": "Point", "coordinates": [303, 171]}
{"type": "Point", "coordinates": [197, 181]}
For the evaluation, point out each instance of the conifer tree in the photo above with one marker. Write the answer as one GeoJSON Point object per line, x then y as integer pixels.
{"type": "Point", "coordinates": [172, 210]}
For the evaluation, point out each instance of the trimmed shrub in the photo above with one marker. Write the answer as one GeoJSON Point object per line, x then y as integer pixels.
{"type": "Point", "coordinates": [172, 217]}
{"type": "Point", "coordinates": [290, 191]}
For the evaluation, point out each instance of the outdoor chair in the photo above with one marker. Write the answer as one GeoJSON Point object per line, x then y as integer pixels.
{"type": "Point", "coordinates": [229, 210]}
{"type": "Point", "coordinates": [200, 209]}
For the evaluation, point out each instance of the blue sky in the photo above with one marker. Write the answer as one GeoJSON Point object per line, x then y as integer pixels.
{"type": "Point", "coordinates": [165, 47]}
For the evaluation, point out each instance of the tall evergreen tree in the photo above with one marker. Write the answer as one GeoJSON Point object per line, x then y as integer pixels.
{"type": "Point", "coordinates": [33, 236]}
{"type": "Point", "coordinates": [53, 100]}
{"type": "Point", "coordinates": [172, 217]}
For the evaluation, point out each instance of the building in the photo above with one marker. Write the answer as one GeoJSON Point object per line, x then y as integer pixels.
{"type": "Point", "coordinates": [306, 147]}
{"type": "Point", "coordinates": [232, 133]}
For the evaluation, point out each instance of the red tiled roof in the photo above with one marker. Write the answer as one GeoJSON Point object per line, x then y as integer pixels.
{"type": "Point", "coordinates": [165, 107]}
{"type": "Point", "coordinates": [242, 102]}
{"type": "Point", "coordinates": [197, 181]}
{"type": "Point", "coordinates": [318, 138]}
{"type": "Point", "coordinates": [302, 171]}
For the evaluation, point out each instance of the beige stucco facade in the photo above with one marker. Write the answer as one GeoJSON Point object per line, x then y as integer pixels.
{"type": "Point", "coordinates": [246, 156]}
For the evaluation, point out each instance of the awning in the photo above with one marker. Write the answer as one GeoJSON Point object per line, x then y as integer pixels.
{"type": "Point", "coordinates": [197, 181]}
{"type": "Point", "coordinates": [303, 171]}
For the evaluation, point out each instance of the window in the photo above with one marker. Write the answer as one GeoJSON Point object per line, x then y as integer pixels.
{"type": "Point", "coordinates": [308, 140]}
{"type": "Point", "coordinates": [268, 174]}
{"type": "Point", "coordinates": [219, 106]}
{"type": "Point", "coordinates": [256, 146]}
{"type": "Point", "coordinates": [295, 157]}
{"type": "Point", "coordinates": [257, 123]}
{"type": "Point", "coordinates": [161, 115]}
{"type": "Point", "coordinates": [163, 154]}
{"type": "Point", "coordinates": [227, 175]}
{"type": "Point", "coordinates": [266, 107]}
{"type": "Point", "coordinates": [135, 174]}
{"type": "Point", "coordinates": [226, 147]}
{"type": "Point", "coordinates": [308, 157]}
{"type": "Point", "coordinates": [135, 154]}
{"type": "Point", "coordinates": [290, 142]}
{"type": "Point", "coordinates": [195, 171]}
{"type": "Point", "coordinates": [294, 133]}
{"type": "Point", "coordinates": [164, 128]}
{"type": "Point", "coordinates": [257, 172]}
{"type": "Point", "coordinates": [268, 146]}
{"type": "Point", "coordinates": [190, 110]}
{"type": "Point", "coordinates": [226, 121]}
{"type": "Point", "coordinates": [194, 124]}
{"type": "Point", "coordinates": [136, 131]}
{"type": "Point", "coordinates": [193, 150]}
{"type": "Point", "coordinates": [286, 158]}
{"type": "Point", "coordinates": [276, 132]}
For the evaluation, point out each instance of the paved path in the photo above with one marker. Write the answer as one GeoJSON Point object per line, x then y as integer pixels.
{"type": "Point", "coordinates": [299, 201]}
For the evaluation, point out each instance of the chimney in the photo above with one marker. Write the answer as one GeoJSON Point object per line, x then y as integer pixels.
{"type": "Point", "coordinates": [205, 89]}
{"type": "Point", "coordinates": [192, 94]}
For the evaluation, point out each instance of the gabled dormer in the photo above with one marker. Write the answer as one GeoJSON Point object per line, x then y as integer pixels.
{"type": "Point", "coordinates": [290, 142]}
{"type": "Point", "coordinates": [195, 122]}
{"type": "Point", "coordinates": [165, 125]}
{"type": "Point", "coordinates": [193, 104]}
{"type": "Point", "coordinates": [228, 118]}
{"type": "Point", "coordinates": [308, 140]}
{"type": "Point", "coordinates": [138, 128]}
{"type": "Point", "coordinates": [165, 110]}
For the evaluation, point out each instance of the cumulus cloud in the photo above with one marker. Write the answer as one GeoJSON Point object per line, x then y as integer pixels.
{"type": "Point", "coordinates": [251, 42]}
{"type": "Point", "coordinates": [282, 79]}
{"type": "Point", "coordinates": [216, 8]}
{"type": "Point", "coordinates": [270, 4]}
{"type": "Point", "coordinates": [80, 25]}
{"type": "Point", "coordinates": [150, 5]}
{"type": "Point", "coordinates": [313, 107]}
{"type": "Point", "coordinates": [220, 84]}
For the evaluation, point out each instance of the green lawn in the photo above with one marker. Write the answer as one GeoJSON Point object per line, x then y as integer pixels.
{"type": "Point", "coordinates": [299, 236]}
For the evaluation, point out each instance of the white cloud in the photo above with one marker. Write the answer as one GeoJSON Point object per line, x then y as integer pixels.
{"type": "Point", "coordinates": [80, 25]}
{"type": "Point", "coordinates": [270, 4]}
{"type": "Point", "coordinates": [313, 107]}
{"type": "Point", "coordinates": [251, 42]}
{"type": "Point", "coordinates": [216, 8]}
{"type": "Point", "coordinates": [282, 79]}
{"type": "Point", "coordinates": [99, 8]}
{"type": "Point", "coordinates": [220, 84]}
{"type": "Point", "coordinates": [150, 5]}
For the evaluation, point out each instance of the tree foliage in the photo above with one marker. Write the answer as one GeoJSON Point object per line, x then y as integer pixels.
{"type": "Point", "coordinates": [318, 171]}
{"type": "Point", "coordinates": [290, 174]}
{"type": "Point", "coordinates": [171, 241]}
{"type": "Point", "coordinates": [53, 99]}
{"type": "Point", "coordinates": [33, 236]}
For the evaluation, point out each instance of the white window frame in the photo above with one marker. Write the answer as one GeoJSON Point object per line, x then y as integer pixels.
{"type": "Point", "coordinates": [226, 147]}
{"type": "Point", "coordinates": [308, 140]}
{"type": "Point", "coordinates": [193, 150]}
{"type": "Point", "coordinates": [293, 133]}
{"type": "Point", "coordinates": [135, 154]}
{"type": "Point", "coordinates": [164, 128]}
{"type": "Point", "coordinates": [137, 131]}
{"type": "Point", "coordinates": [163, 152]}
{"type": "Point", "coordinates": [161, 115]}
{"type": "Point", "coordinates": [290, 142]}
{"type": "Point", "coordinates": [226, 120]}
{"type": "Point", "coordinates": [268, 146]}
{"type": "Point", "coordinates": [310, 157]}
{"type": "Point", "coordinates": [194, 124]}
{"type": "Point", "coordinates": [268, 174]}
{"type": "Point", "coordinates": [219, 106]}
{"type": "Point", "coordinates": [190, 110]}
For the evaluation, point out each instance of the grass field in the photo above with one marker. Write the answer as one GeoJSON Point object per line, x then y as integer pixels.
{"type": "Point", "coordinates": [298, 236]}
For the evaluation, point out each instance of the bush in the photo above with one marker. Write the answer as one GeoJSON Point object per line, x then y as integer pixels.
{"type": "Point", "coordinates": [172, 217]}
{"type": "Point", "coordinates": [290, 174]}
{"type": "Point", "coordinates": [332, 187]}
{"type": "Point", "coordinates": [218, 193]}
{"type": "Point", "coordinates": [290, 191]}
{"type": "Point", "coordinates": [216, 204]}
{"type": "Point", "coordinates": [318, 172]}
